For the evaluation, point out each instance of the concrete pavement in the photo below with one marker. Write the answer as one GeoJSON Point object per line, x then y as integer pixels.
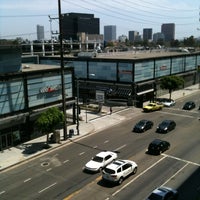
{"type": "Point", "coordinates": [90, 124]}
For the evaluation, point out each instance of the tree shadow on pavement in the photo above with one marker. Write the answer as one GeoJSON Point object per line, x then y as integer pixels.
{"type": "Point", "coordinates": [32, 148]}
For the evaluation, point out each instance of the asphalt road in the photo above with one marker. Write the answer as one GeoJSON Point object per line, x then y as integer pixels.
{"type": "Point", "coordinates": [59, 175]}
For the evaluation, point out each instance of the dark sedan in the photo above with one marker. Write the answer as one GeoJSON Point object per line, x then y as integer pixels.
{"type": "Point", "coordinates": [163, 193]}
{"type": "Point", "coordinates": [166, 126]}
{"type": "Point", "coordinates": [189, 105]}
{"type": "Point", "coordinates": [142, 126]}
{"type": "Point", "coordinates": [158, 146]}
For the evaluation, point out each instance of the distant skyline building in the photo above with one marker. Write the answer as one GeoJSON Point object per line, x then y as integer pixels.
{"type": "Point", "coordinates": [147, 33]}
{"type": "Point", "coordinates": [110, 33]}
{"type": "Point", "coordinates": [132, 35]}
{"type": "Point", "coordinates": [122, 38]}
{"type": "Point", "coordinates": [74, 23]}
{"type": "Point", "coordinates": [158, 36]}
{"type": "Point", "coordinates": [169, 31]}
{"type": "Point", "coordinates": [40, 32]}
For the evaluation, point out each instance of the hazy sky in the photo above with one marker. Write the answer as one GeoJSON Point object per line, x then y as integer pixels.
{"type": "Point", "coordinates": [19, 18]}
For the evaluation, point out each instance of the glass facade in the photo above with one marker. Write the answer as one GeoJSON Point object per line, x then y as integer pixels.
{"type": "Point", "coordinates": [80, 69]}
{"type": "Point", "coordinates": [12, 96]}
{"type": "Point", "coordinates": [177, 65]}
{"type": "Point", "coordinates": [103, 70]}
{"type": "Point", "coordinates": [162, 67]}
{"type": "Point", "coordinates": [190, 63]}
{"type": "Point", "coordinates": [125, 71]}
{"type": "Point", "coordinates": [144, 70]}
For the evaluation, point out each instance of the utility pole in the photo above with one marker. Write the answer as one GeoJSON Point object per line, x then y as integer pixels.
{"type": "Point", "coordinates": [62, 71]}
{"type": "Point", "coordinates": [52, 33]}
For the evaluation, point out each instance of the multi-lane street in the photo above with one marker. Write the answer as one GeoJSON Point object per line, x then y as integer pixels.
{"type": "Point", "coordinates": [59, 175]}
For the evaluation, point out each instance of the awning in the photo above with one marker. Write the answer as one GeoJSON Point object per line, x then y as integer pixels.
{"type": "Point", "coordinates": [144, 92]}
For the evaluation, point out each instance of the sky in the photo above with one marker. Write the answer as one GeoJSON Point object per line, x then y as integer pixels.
{"type": "Point", "coordinates": [19, 18]}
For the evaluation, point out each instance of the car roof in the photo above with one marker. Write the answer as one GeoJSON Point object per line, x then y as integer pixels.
{"type": "Point", "coordinates": [116, 164]}
{"type": "Point", "coordinates": [144, 120]}
{"type": "Point", "coordinates": [189, 102]}
{"type": "Point", "coordinates": [160, 191]}
{"type": "Point", "coordinates": [167, 121]}
{"type": "Point", "coordinates": [105, 153]}
{"type": "Point", "coordinates": [163, 190]}
{"type": "Point", "coordinates": [157, 141]}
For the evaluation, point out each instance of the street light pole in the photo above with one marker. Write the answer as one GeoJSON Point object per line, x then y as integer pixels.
{"type": "Point", "coordinates": [62, 72]}
{"type": "Point", "coordinates": [77, 106]}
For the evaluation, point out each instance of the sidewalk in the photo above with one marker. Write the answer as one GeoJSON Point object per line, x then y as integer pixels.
{"type": "Point", "coordinates": [95, 123]}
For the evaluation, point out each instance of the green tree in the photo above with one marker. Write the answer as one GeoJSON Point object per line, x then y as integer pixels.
{"type": "Point", "coordinates": [49, 120]}
{"type": "Point", "coordinates": [171, 83]}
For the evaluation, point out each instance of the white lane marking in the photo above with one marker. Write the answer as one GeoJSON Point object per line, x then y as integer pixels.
{"type": "Point", "coordinates": [175, 174]}
{"type": "Point", "coordinates": [47, 187]}
{"type": "Point", "coordinates": [106, 141]}
{"type": "Point", "coordinates": [95, 147]}
{"type": "Point", "coordinates": [65, 161]}
{"type": "Point", "coordinates": [2, 192]}
{"type": "Point", "coordinates": [180, 115]}
{"type": "Point", "coordinates": [186, 161]}
{"type": "Point", "coordinates": [138, 176]}
{"type": "Point", "coordinates": [27, 180]}
{"type": "Point", "coordinates": [120, 147]}
{"type": "Point", "coordinates": [81, 153]}
{"type": "Point", "coordinates": [49, 169]}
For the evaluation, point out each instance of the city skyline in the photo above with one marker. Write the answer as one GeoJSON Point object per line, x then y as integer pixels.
{"type": "Point", "coordinates": [20, 20]}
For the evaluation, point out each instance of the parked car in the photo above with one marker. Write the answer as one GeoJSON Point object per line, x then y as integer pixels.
{"type": "Point", "coordinates": [158, 146]}
{"type": "Point", "coordinates": [143, 125]}
{"type": "Point", "coordinates": [163, 193]}
{"type": "Point", "coordinates": [118, 170]}
{"type": "Point", "coordinates": [152, 107]}
{"type": "Point", "coordinates": [166, 102]}
{"type": "Point", "coordinates": [189, 105]}
{"type": "Point", "coordinates": [166, 126]}
{"type": "Point", "coordinates": [100, 161]}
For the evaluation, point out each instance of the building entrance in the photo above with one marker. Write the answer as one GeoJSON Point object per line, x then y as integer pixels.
{"type": "Point", "coordinates": [6, 141]}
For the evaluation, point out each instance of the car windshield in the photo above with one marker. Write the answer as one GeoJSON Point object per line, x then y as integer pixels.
{"type": "Point", "coordinates": [98, 159]}
{"type": "Point", "coordinates": [141, 123]}
{"type": "Point", "coordinates": [154, 196]}
{"type": "Point", "coordinates": [150, 104]}
{"type": "Point", "coordinates": [165, 123]}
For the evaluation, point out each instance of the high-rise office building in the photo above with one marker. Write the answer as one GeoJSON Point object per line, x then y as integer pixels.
{"type": "Point", "coordinates": [110, 33]}
{"type": "Point", "coordinates": [40, 32]}
{"type": "Point", "coordinates": [169, 31]}
{"type": "Point", "coordinates": [147, 33]}
{"type": "Point", "coordinates": [132, 35]}
{"type": "Point", "coordinates": [74, 23]}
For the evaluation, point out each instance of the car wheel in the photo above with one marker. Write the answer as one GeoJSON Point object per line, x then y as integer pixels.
{"type": "Point", "coordinates": [135, 170]}
{"type": "Point", "coordinates": [120, 180]}
{"type": "Point", "coordinates": [100, 169]}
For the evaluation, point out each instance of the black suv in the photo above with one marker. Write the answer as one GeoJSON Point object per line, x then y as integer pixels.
{"type": "Point", "coordinates": [158, 146]}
